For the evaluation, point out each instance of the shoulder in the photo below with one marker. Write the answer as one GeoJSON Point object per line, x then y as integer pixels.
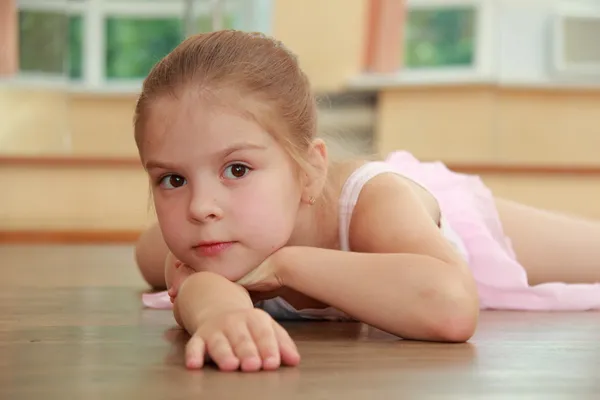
{"type": "Point", "coordinates": [385, 184]}
{"type": "Point", "coordinates": [395, 215]}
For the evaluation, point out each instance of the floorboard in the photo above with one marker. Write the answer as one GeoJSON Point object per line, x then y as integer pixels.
{"type": "Point", "coordinates": [72, 326]}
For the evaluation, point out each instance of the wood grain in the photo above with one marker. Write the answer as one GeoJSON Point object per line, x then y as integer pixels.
{"type": "Point", "coordinates": [72, 326]}
{"type": "Point", "coordinates": [72, 236]}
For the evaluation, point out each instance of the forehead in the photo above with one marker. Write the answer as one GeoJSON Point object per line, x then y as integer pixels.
{"type": "Point", "coordinates": [190, 122]}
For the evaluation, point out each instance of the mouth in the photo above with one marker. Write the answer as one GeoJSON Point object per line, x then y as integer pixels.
{"type": "Point", "coordinates": [211, 249]}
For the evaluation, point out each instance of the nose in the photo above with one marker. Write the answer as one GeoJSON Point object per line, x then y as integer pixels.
{"type": "Point", "coordinates": [204, 207]}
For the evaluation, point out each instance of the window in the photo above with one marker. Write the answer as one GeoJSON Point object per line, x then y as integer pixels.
{"type": "Point", "coordinates": [575, 40]}
{"type": "Point", "coordinates": [134, 45]}
{"type": "Point", "coordinates": [115, 43]}
{"type": "Point", "coordinates": [50, 40]}
{"type": "Point", "coordinates": [439, 37]}
{"type": "Point", "coordinates": [428, 41]}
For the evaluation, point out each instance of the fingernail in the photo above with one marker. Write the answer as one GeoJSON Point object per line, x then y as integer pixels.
{"type": "Point", "coordinates": [193, 363]}
{"type": "Point", "coordinates": [271, 361]}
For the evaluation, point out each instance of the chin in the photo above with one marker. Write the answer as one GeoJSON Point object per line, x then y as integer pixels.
{"type": "Point", "coordinates": [220, 268]}
{"type": "Point", "coordinates": [232, 265]}
{"type": "Point", "coordinates": [232, 276]}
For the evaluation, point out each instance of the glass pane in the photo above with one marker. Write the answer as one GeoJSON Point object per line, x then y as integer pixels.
{"type": "Point", "coordinates": [580, 40]}
{"type": "Point", "coordinates": [76, 47]}
{"type": "Point", "coordinates": [50, 42]}
{"type": "Point", "coordinates": [134, 45]}
{"type": "Point", "coordinates": [205, 23]}
{"type": "Point", "coordinates": [440, 37]}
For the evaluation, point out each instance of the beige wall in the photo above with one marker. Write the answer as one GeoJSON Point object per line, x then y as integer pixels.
{"type": "Point", "coordinates": [489, 124]}
{"type": "Point", "coordinates": [576, 195]}
{"type": "Point", "coordinates": [102, 125]}
{"type": "Point", "coordinates": [50, 122]}
{"type": "Point", "coordinates": [34, 122]}
{"type": "Point", "coordinates": [57, 198]}
{"type": "Point", "coordinates": [327, 37]}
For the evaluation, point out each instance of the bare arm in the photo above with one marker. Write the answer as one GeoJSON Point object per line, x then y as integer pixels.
{"type": "Point", "coordinates": [150, 255]}
{"type": "Point", "coordinates": [403, 277]}
{"type": "Point", "coordinates": [223, 324]}
{"type": "Point", "coordinates": [205, 294]}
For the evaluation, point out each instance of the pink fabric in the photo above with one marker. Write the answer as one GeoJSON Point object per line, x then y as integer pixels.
{"type": "Point", "coordinates": [468, 206]}
{"type": "Point", "coordinates": [158, 300]}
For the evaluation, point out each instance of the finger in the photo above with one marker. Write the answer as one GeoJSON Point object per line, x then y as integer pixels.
{"type": "Point", "coordinates": [187, 270]}
{"type": "Point", "coordinates": [194, 352]}
{"type": "Point", "coordinates": [266, 342]}
{"type": "Point", "coordinates": [287, 348]}
{"type": "Point", "coordinates": [221, 353]}
{"type": "Point", "coordinates": [244, 347]}
{"type": "Point", "coordinates": [178, 278]}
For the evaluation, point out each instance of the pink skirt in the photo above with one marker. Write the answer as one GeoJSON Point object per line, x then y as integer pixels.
{"type": "Point", "coordinates": [469, 207]}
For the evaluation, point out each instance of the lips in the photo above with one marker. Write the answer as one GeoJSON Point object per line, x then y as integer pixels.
{"type": "Point", "coordinates": [213, 248]}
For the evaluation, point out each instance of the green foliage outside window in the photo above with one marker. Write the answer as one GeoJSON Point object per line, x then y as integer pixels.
{"type": "Point", "coordinates": [443, 37]}
{"type": "Point", "coordinates": [52, 43]}
{"type": "Point", "coordinates": [134, 45]}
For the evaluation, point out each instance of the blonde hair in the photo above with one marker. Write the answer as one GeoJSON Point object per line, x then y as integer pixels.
{"type": "Point", "coordinates": [257, 73]}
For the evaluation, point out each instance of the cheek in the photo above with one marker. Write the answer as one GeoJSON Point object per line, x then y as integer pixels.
{"type": "Point", "coordinates": [168, 214]}
{"type": "Point", "coordinates": [267, 214]}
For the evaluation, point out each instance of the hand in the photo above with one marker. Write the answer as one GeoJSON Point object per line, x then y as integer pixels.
{"type": "Point", "coordinates": [263, 278]}
{"type": "Point", "coordinates": [176, 273]}
{"type": "Point", "coordinates": [247, 339]}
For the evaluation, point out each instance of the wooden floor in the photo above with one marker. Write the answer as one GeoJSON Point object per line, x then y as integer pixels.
{"type": "Point", "coordinates": [72, 327]}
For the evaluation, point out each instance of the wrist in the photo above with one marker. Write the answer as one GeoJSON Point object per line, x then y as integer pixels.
{"type": "Point", "coordinates": [283, 262]}
{"type": "Point", "coordinates": [204, 295]}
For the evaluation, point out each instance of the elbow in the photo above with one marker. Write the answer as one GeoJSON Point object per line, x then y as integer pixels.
{"type": "Point", "coordinates": [443, 314]}
{"type": "Point", "coordinates": [457, 328]}
{"type": "Point", "coordinates": [457, 314]}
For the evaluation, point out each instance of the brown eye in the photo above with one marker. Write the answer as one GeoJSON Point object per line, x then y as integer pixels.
{"type": "Point", "coordinates": [172, 181]}
{"type": "Point", "coordinates": [176, 181]}
{"type": "Point", "coordinates": [236, 171]}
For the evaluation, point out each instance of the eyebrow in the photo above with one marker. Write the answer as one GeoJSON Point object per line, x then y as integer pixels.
{"type": "Point", "coordinates": [150, 164]}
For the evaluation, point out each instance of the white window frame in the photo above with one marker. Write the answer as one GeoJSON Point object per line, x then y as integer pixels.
{"type": "Point", "coordinates": [481, 71]}
{"type": "Point", "coordinates": [257, 17]}
{"type": "Point", "coordinates": [560, 65]}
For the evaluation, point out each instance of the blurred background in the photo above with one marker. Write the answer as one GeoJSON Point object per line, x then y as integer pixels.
{"type": "Point", "coordinates": [506, 89]}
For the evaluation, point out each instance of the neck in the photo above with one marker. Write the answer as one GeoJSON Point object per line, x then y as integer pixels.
{"type": "Point", "coordinates": [317, 225]}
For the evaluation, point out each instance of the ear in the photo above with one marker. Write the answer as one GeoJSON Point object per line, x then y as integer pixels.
{"type": "Point", "coordinates": [316, 176]}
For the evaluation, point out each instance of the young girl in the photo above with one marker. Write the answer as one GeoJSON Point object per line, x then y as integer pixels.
{"type": "Point", "coordinates": [255, 224]}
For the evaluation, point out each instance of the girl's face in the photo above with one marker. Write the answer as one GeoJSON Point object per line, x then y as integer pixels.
{"type": "Point", "coordinates": [225, 192]}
